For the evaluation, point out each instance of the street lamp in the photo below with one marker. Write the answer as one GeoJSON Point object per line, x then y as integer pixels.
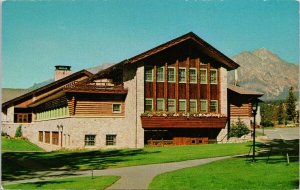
{"type": "Point", "coordinates": [254, 103]}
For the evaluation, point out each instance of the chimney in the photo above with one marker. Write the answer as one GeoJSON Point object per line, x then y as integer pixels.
{"type": "Point", "coordinates": [236, 79]}
{"type": "Point", "coordinates": [61, 71]}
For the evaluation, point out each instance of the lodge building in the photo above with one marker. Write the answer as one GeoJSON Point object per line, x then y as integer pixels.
{"type": "Point", "coordinates": [175, 93]}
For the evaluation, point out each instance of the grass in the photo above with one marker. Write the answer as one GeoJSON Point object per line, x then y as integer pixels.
{"type": "Point", "coordinates": [99, 182]}
{"type": "Point", "coordinates": [24, 165]}
{"type": "Point", "coordinates": [240, 173]}
{"type": "Point", "coordinates": [17, 145]}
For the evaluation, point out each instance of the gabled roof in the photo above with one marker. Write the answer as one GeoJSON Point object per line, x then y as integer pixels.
{"type": "Point", "coordinates": [210, 50]}
{"type": "Point", "coordinates": [243, 91]}
{"type": "Point", "coordinates": [58, 82]}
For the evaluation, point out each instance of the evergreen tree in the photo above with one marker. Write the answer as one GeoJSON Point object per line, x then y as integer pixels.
{"type": "Point", "coordinates": [280, 114]}
{"type": "Point", "coordinates": [291, 105]}
{"type": "Point", "coordinates": [19, 131]}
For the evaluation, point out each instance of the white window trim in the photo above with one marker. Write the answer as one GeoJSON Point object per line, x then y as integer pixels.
{"type": "Point", "coordinates": [216, 76]}
{"type": "Point", "coordinates": [174, 100]}
{"type": "Point", "coordinates": [201, 63]}
{"type": "Point", "coordinates": [174, 74]}
{"type": "Point", "coordinates": [110, 135]}
{"type": "Point", "coordinates": [217, 103]}
{"type": "Point", "coordinates": [179, 74]}
{"type": "Point", "coordinates": [151, 102]}
{"type": "Point", "coordinates": [163, 100]}
{"type": "Point", "coordinates": [195, 82]}
{"type": "Point", "coordinates": [193, 100]}
{"type": "Point", "coordinates": [205, 77]}
{"type": "Point", "coordinates": [94, 140]}
{"type": "Point", "coordinates": [179, 104]}
{"type": "Point", "coordinates": [152, 70]}
{"type": "Point", "coordinates": [163, 80]}
{"type": "Point", "coordinates": [112, 108]}
{"type": "Point", "coordinates": [206, 105]}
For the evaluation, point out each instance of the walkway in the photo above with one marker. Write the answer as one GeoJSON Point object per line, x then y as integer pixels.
{"type": "Point", "coordinates": [282, 133]}
{"type": "Point", "coordinates": [135, 177]}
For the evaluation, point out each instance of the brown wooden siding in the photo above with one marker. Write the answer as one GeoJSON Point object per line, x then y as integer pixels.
{"type": "Point", "coordinates": [97, 108]}
{"type": "Point", "coordinates": [213, 92]}
{"type": "Point", "coordinates": [193, 91]}
{"type": "Point", "coordinates": [240, 110]}
{"type": "Point", "coordinates": [148, 89]}
{"type": "Point", "coordinates": [171, 90]}
{"type": "Point", "coordinates": [181, 91]}
{"type": "Point", "coordinates": [159, 90]}
{"type": "Point", "coordinates": [203, 91]}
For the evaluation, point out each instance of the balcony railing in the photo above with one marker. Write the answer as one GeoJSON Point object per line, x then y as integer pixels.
{"type": "Point", "coordinates": [104, 87]}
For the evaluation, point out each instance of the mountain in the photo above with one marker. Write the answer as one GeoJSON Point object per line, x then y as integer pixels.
{"type": "Point", "coordinates": [264, 71]}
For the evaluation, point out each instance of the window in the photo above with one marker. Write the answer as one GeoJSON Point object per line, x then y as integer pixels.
{"type": "Point", "coordinates": [182, 75]}
{"type": "Point", "coordinates": [47, 137]}
{"type": "Point", "coordinates": [41, 136]}
{"type": "Point", "coordinates": [149, 74]}
{"type": "Point", "coordinates": [160, 104]}
{"type": "Point", "coordinates": [213, 76]}
{"type": "Point", "coordinates": [203, 106]}
{"type": "Point", "coordinates": [89, 140]}
{"type": "Point", "coordinates": [148, 104]}
{"type": "Point", "coordinates": [193, 75]}
{"type": "Point", "coordinates": [111, 140]}
{"type": "Point", "coordinates": [171, 105]}
{"type": "Point", "coordinates": [214, 106]}
{"type": "Point", "coordinates": [55, 138]}
{"type": "Point", "coordinates": [116, 108]}
{"type": "Point", "coordinates": [182, 105]}
{"type": "Point", "coordinates": [203, 76]}
{"type": "Point", "coordinates": [160, 75]}
{"type": "Point", "coordinates": [171, 74]}
{"type": "Point", "coordinates": [193, 106]}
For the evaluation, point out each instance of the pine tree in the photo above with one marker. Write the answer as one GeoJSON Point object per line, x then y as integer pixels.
{"type": "Point", "coordinates": [280, 114]}
{"type": "Point", "coordinates": [291, 105]}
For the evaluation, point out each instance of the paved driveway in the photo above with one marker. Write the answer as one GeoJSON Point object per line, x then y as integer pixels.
{"type": "Point", "coordinates": [282, 133]}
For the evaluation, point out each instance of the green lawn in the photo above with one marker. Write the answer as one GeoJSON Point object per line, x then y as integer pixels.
{"type": "Point", "coordinates": [25, 165]}
{"type": "Point", "coordinates": [240, 173]}
{"type": "Point", "coordinates": [99, 182]}
{"type": "Point", "coordinates": [17, 145]}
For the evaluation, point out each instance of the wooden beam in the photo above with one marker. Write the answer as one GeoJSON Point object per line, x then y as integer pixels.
{"type": "Point", "coordinates": [198, 83]}
{"type": "Point", "coordinates": [166, 86]}
{"type": "Point", "coordinates": [187, 85]}
{"type": "Point", "coordinates": [154, 88]}
{"type": "Point", "coordinates": [219, 90]}
{"type": "Point", "coordinates": [176, 85]}
{"type": "Point", "coordinates": [208, 87]}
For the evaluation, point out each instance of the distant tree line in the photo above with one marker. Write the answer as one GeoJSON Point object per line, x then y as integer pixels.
{"type": "Point", "coordinates": [280, 111]}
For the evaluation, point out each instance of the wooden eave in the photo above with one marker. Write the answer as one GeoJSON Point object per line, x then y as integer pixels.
{"type": "Point", "coordinates": [30, 94]}
{"type": "Point", "coordinates": [97, 91]}
{"type": "Point", "coordinates": [47, 98]}
{"type": "Point", "coordinates": [203, 45]}
{"type": "Point", "coordinates": [242, 91]}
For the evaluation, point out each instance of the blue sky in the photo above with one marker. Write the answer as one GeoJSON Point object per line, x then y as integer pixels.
{"type": "Point", "coordinates": [37, 35]}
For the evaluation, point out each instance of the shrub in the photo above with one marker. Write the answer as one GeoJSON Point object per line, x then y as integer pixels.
{"type": "Point", "coordinates": [267, 123]}
{"type": "Point", "coordinates": [4, 134]}
{"type": "Point", "coordinates": [19, 131]}
{"type": "Point", "coordinates": [239, 129]}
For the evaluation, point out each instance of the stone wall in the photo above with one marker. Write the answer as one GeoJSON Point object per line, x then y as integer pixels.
{"type": "Point", "coordinates": [223, 101]}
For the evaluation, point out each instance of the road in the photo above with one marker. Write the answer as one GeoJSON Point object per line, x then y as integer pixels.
{"type": "Point", "coordinates": [282, 133]}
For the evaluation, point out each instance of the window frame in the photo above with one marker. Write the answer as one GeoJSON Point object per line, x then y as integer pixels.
{"type": "Point", "coordinates": [47, 138]}
{"type": "Point", "coordinates": [182, 100]}
{"type": "Point", "coordinates": [204, 100]}
{"type": "Point", "coordinates": [41, 136]}
{"type": "Point", "coordinates": [174, 68]}
{"type": "Point", "coordinates": [86, 141]}
{"type": "Point", "coordinates": [216, 76]}
{"type": "Point", "coordinates": [109, 141]}
{"type": "Point", "coordinates": [146, 104]}
{"type": "Point", "coordinates": [194, 100]}
{"type": "Point", "coordinates": [194, 82]}
{"type": "Point", "coordinates": [217, 106]}
{"type": "Point", "coordinates": [163, 104]}
{"type": "Point", "coordinates": [112, 108]}
{"type": "Point", "coordinates": [163, 74]}
{"type": "Point", "coordinates": [203, 69]}
{"type": "Point", "coordinates": [181, 68]}
{"type": "Point", "coordinates": [174, 100]}
{"type": "Point", "coordinates": [152, 71]}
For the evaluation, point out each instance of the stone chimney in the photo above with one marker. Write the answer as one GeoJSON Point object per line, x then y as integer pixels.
{"type": "Point", "coordinates": [61, 71]}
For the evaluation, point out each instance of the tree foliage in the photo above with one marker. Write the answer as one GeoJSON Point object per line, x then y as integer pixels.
{"type": "Point", "coordinates": [19, 132]}
{"type": "Point", "coordinates": [291, 105]}
{"type": "Point", "coordinates": [239, 129]}
{"type": "Point", "coordinates": [281, 114]}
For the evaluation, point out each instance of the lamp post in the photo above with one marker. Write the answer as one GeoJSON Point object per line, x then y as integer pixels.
{"type": "Point", "coordinates": [254, 103]}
